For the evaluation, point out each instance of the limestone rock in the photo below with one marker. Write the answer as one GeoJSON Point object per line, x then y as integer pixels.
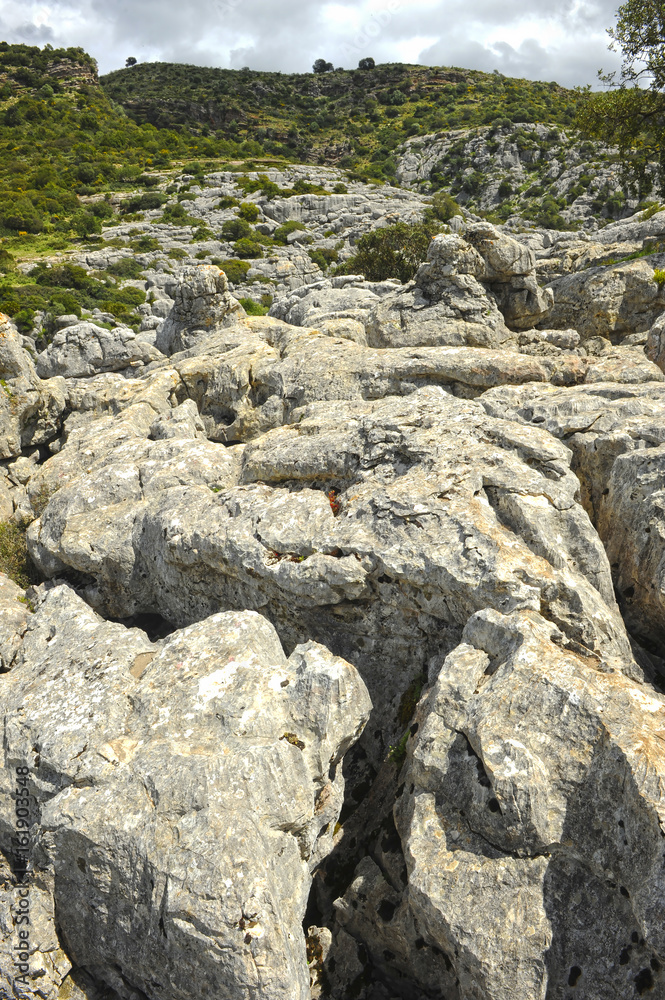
{"type": "Point", "coordinates": [462, 293]}
{"type": "Point", "coordinates": [529, 866]}
{"type": "Point", "coordinates": [14, 615]}
{"type": "Point", "coordinates": [611, 302]}
{"type": "Point", "coordinates": [202, 303]}
{"type": "Point", "coordinates": [616, 433]}
{"type": "Point", "coordinates": [84, 349]}
{"type": "Point", "coordinates": [184, 790]}
{"type": "Point", "coordinates": [441, 511]}
{"type": "Point", "coordinates": [655, 346]}
{"type": "Point", "coordinates": [15, 361]}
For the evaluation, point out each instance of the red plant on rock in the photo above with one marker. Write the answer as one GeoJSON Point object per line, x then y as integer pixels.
{"type": "Point", "coordinates": [335, 502]}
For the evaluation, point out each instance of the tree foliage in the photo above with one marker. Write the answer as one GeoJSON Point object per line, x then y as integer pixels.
{"type": "Point", "coordinates": [631, 113]}
{"type": "Point", "coordinates": [393, 252]}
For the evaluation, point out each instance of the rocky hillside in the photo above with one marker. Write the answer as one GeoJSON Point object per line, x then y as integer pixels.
{"type": "Point", "coordinates": [538, 173]}
{"type": "Point", "coordinates": [353, 118]}
{"type": "Point", "coordinates": [332, 665]}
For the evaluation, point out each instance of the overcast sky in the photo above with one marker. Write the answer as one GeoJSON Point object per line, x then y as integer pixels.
{"type": "Point", "coordinates": [561, 40]}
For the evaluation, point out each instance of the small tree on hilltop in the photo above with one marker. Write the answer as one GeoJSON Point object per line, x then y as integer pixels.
{"type": "Point", "coordinates": [321, 66]}
{"type": "Point", "coordinates": [131, 61]}
{"type": "Point", "coordinates": [367, 63]}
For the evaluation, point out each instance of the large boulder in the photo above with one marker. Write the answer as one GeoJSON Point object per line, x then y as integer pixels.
{"type": "Point", "coordinates": [15, 362]}
{"type": "Point", "coordinates": [202, 303]}
{"type": "Point", "coordinates": [446, 305]}
{"type": "Point", "coordinates": [184, 788]}
{"type": "Point", "coordinates": [612, 301]}
{"type": "Point", "coordinates": [30, 410]}
{"type": "Point", "coordinates": [475, 288]}
{"type": "Point", "coordinates": [85, 349]}
{"type": "Point", "coordinates": [531, 818]}
{"type": "Point", "coordinates": [510, 273]}
{"type": "Point", "coordinates": [616, 434]}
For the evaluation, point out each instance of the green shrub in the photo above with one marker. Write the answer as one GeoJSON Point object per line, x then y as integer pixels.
{"type": "Point", "coordinates": [127, 267]}
{"type": "Point", "coordinates": [236, 229]}
{"type": "Point", "coordinates": [547, 214]}
{"type": "Point", "coordinates": [235, 270]}
{"type": "Point", "coordinates": [286, 228]}
{"type": "Point", "coordinates": [177, 254]}
{"type": "Point", "coordinates": [659, 277]}
{"type": "Point", "coordinates": [145, 202]}
{"type": "Point", "coordinates": [14, 559]}
{"type": "Point", "coordinates": [177, 215]}
{"type": "Point", "coordinates": [505, 189]}
{"type": "Point", "coordinates": [86, 224]}
{"type": "Point", "coordinates": [145, 244]}
{"type": "Point", "coordinates": [651, 210]}
{"type": "Point", "coordinates": [249, 211]}
{"type": "Point", "coordinates": [394, 252]}
{"type": "Point", "coordinates": [7, 262]}
{"type": "Point", "coordinates": [227, 202]}
{"type": "Point", "coordinates": [324, 258]}
{"type": "Point", "coordinates": [444, 206]}
{"type": "Point", "coordinates": [248, 248]}
{"type": "Point", "coordinates": [253, 308]}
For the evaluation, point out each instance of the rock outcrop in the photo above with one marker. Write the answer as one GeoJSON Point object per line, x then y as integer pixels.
{"type": "Point", "coordinates": [344, 675]}
{"type": "Point", "coordinates": [201, 303]}
{"type": "Point", "coordinates": [182, 792]}
{"type": "Point", "coordinates": [85, 349]}
{"type": "Point", "coordinates": [528, 869]}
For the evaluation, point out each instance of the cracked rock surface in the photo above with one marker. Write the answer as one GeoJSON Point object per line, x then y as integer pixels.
{"type": "Point", "coordinates": [184, 789]}
{"type": "Point", "coordinates": [342, 673]}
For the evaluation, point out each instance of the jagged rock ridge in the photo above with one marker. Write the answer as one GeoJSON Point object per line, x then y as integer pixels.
{"type": "Point", "coordinates": [403, 538]}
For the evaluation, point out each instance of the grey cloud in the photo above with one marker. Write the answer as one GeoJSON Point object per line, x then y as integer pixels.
{"type": "Point", "coordinates": [34, 34]}
{"type": "Point", "coordinates": [266, 35]}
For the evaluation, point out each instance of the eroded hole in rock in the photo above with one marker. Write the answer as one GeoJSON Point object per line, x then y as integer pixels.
{"type": "Point", "coordinates": [154, 626]}
{"type": "Point", "coordinates": [644, 981]}
{"type": "Point", "coordinates": [574, 976]}
{"type": "Point", "coordinates": [386, 910]}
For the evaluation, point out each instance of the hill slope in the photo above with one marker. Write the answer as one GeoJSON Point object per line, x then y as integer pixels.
{"type": "Point", "coordinates": [352, 118]}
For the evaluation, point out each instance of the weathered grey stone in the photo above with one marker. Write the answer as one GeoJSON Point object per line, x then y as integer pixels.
{"type": "Point", "coordinates": [84, 349]}
{"type": "Point", "coordinates": [655, 346]}
{"type": "Point", "coordinates": [184, 790]}
{"type": "Point", "coordinates": [15, 362]}
{"type": "Point", "coordinates": [14, 615]}
{"type": "Point", "coordinates": [530, 866]}
{"type": "Point", "coordinates": [442, 511]}
{"type": "Point", "coordinates": [611, 302]}
{"type": "Point", "coordinates": [617, 435]}
{"type": "Point", "coordinates": [202, 303]}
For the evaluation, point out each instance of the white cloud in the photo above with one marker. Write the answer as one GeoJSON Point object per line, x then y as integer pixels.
{"type": "Point", "coordinates": [566, 41]}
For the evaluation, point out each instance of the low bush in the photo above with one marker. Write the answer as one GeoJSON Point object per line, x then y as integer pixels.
{"type": "Point", "coordinates": [145, 244]}
{"type": "Point", "coordinates": [285, 229]}
{"type": "Point", "coordinates": [253, 308]}
{"type": "Point", "coordinates": [394, 252]}
{"type": "Point", "coordinates": [324, 258]}
{"type": "Point", "coordinates": [248, 248]}
{"type": "Point", "coordinates": [127, 267]}
{"type": "Point", "coordinates": [14, 559]}
{"type": "Point", "coordinates": [235, 229]}
{"type": "Point", "coordinates": [444, 206]}
{"type": "Point", "coordinates": [249, 211]}
{"type": "Point", "coordinates": [235, 270]}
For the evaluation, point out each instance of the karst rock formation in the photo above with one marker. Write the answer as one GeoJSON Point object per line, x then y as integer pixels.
{"type": "Point", "coordinates": [343, 677]}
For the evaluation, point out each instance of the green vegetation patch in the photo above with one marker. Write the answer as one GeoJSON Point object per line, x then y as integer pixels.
{"type": "Point", "coordinates": [394, 252]}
